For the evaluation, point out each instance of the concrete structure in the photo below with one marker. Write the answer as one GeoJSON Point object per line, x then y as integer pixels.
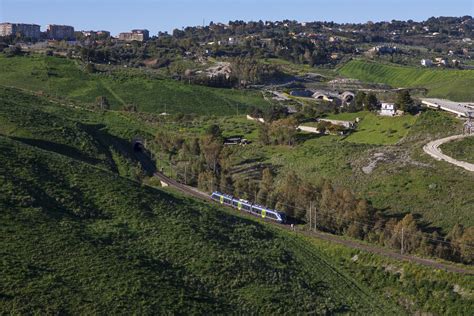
{"type": "Point", "coordinates": [458, 108]}
{"type": "Point", "coordinates": [301, 93]}
{"type": "Point", "coordinates": [258, 119]}
{"type": "Point", "coordinates": [426, 63]}
{"type": "Point", "coordinates": [59, 32]}
{"type": "Point", "coordinates": [388, 109]}
{"type": "Point", "coordinates": [21, 29]}
{"type": "Point", "coordinates": [346, 124]}
{"type": "Point", "coordinates": [96, 33]}
{"type": "Point", "coordinates": [347, 97]}
{"type": "Point", "coordinates": [135, 35]}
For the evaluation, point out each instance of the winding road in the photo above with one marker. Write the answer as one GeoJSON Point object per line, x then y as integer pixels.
{"type": "Point", "coordinates": [432, 149]}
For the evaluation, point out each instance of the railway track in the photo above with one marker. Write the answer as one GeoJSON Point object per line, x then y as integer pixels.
{"type": "Point", "coordinates": [329, 237]}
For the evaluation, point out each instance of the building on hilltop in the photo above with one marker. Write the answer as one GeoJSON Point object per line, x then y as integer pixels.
{"type": "Point", "coordinates": [95, 34]}
{"type": "Point", "coordinates": [135, 35]}
{"type": "Point", "coordinates": [388, 109]}
{"type": "Point", "coordinates": [20, 29]}
{"type": "Point", "coordinates": [59, 32]}
{"type": "Point", "coordinates": [426, 63]}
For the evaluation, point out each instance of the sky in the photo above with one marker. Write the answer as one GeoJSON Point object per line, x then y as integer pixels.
{"type": "Point", "coordinates": [165, 15]}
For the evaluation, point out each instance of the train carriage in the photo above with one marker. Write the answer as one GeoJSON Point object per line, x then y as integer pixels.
{"type": "Point", "coordinates": [243, 205]}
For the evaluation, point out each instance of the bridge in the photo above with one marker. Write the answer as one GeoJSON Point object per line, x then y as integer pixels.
{"type": "Point", "coordinates": [461, 109]}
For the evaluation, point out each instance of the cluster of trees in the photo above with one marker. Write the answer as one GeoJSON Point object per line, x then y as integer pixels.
{"type": "Point", "coordinates": [250, 71]}
{"type": "Point", "coordinates": [337, 210]}
{"type": "Point", "coordinates": [278, 132]}
{"type": "Point", "coordinates": [206, 163]}
{"type": "Point", "coordinates": [405, 102]}
{"type": "Point", "coordinates": [364, 101]}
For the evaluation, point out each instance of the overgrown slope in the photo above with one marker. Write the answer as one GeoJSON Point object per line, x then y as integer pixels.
{"type": "Point", "coordinates": [81, 239]}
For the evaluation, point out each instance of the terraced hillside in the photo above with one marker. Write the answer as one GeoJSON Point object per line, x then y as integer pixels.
{"type": "Point", "coordinates": [66, 78]}
{"type": "Point", "coordinates": [442, 83]}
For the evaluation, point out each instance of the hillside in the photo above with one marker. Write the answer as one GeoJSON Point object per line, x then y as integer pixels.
{"type": "Point", "coordinates": [61, 77]}
{"type": "Point", "coordinates": [442, 83]}
{"type": "Point", "coordinates": [79, 238]}
{"type": "Point", "coordinates": [68, 224]}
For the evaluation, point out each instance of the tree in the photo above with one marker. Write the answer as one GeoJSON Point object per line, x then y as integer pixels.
{"type": "Point", "coordinates": [13, 51]}
{"type": "Point", "coordinates": [466, 245]}
{"type": "Point", "coordinates": [102, 102]}
{"type": "Point", "coordinates": [214, 131]}
{"type": "Point", "coordinates": [211, 149]}
{"type": "Point", "coordinates": [265, 187]}
{"type": "Point", "coordinates": [359, 100]}
{"type": "Point", "coordinates": [263, 134]}
{"type": "Point", "coordinates": [283, 132]}
{"type": "Point", "coordinates": [404, 102]}
{"type": "Point", "coordinates": [371, 102]}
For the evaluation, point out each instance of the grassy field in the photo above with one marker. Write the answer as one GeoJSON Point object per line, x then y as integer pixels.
{"type": "Point", "coordinates": [461, 149]}
{"type": "Point", "coordinates": [443, 83]}
{"type": "Point", "coordinates": [65, 78]}
{"type": "Point", "coordinates": [401, 178]}
{"type": "Point", "coordinates": [375, 129]}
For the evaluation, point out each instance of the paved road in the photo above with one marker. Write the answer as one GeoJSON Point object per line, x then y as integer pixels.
{"type": "Point", "coordinates": [432, 149]}
{"type": "Point", "coordinates": [333, 238]}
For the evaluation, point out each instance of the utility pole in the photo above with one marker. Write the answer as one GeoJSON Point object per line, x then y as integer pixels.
{"type": "Point", "coordinates": [401, 250]}
{"type": "Point", "coordinates": [315, 220]}
{"type": "Point", "coordinates": [185, 173]}
{"type": "Point", "coordinates": [310, 216]}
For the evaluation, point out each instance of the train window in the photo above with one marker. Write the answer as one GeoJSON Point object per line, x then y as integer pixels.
{"type": "Point", "coordinates": [271, 215]}
{"type": "Point", "coordinates": [246, 207]}
{"type": "Point", "coordinates": [227, 200]}
{"type": "Point", "coordinates": [256, 210]}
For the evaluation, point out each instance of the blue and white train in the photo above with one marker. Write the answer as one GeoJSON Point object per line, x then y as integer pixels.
{"type": "Point", "coordinates": [248, 207]}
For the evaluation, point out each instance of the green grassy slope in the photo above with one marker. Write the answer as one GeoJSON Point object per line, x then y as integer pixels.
{"type": "Point", "coordinates": [403, 179]}
{"type": "Point", "coordinates": [65, 78]}
{"type": "Point", "coordinates": [461, 149]}
{"type": "Point", "coordinates": [443, 83]}
{"type": "Point", "coordinates": [98, 138]}
{"type": "Point", "coordinates": [78, 239]}
{"type": "Point", "coordinates": [376, 129]}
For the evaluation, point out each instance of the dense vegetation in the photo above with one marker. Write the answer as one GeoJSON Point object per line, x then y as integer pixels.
{"type": "Point", "coordinates": [452, 84]}
{"type": "Point", "coordinates": [80, 237]}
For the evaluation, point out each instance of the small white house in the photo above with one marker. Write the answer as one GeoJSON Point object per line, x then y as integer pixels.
{"type": "Point", "coordinates": [388, 109]}
{"type": "Point", "coordinates": [426, 62]}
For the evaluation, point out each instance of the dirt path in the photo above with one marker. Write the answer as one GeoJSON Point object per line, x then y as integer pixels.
{"type": "Point", "coordinates": [432, 149]}
{"type": "Point", "coordinates": [333, 238]}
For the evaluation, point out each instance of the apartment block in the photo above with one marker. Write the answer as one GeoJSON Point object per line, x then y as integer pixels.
{"type": "Point", "coordinates": [135, 35]}
{"type": "Point", "coordinates": [21, 29]}
{"type": "Point", "coordinates": [60, 32]}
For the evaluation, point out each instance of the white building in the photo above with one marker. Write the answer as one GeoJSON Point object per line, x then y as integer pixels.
{"type": "Point", "coordinates": [388, 109]}
{"type": "Point", "coordinates": [426, 62]}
